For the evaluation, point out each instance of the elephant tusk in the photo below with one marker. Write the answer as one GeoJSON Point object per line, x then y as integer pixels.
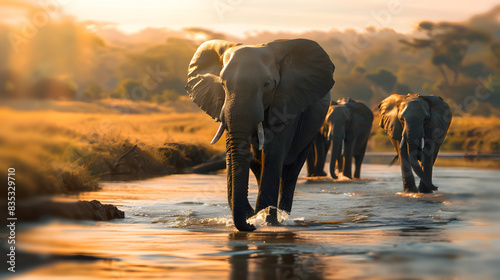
{"type": "Point", "coordinates": [260, 133]}
{"type": "Point", "coordinates": [219, 133]}
{"type": "Point", "coordinates": [403, 141]}
{"type": "Point", "coordinates": [423, 143]}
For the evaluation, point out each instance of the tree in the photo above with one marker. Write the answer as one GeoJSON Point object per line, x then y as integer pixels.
{"type": "Point", "coordinates": [449, 43]}
{"type": "Point", "coordinates": [354, 87]}
{"type": "Point", "coordinates": [130, 89]}
{"type": "Point", "coordinates": [9, 84]}
{"type": "Point", "coordinates": [403, 89]}
{"type": "Point", "coordinates": [51, 88]}
{"type": "Point", "coordinates": [384, 79]}
{"type": "Point", "coordinates": [93, 91]}
{"type": "Point", "coordinates": [475, 70]}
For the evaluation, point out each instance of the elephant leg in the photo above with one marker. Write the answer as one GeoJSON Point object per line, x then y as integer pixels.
{"type": "Point", "coordinates": [406, 171]}
{"type": "Point", "coordinates": [270, 179]}
{"type": "Point", "coordinates": [326, 145]}
{"type": "Point", "coordinates": [428, 158]}
{"type": "Point", "coordinates": [311, 162]}
{"type": "Point", "coordinates": [340, 158]}
{"type": "Point", "coordinates": [430, 165]}
{"type": "Point", "coordinates": [348, 154]}
{"type": "Point", "coordinates": [316, 157]}
{"type": "Point", "coordinates": [358, 159]}
{"type": "Point", "coordinates": [289, 181]}
{"type": "Point", "coordinates": [427, 168]}
{"type": "Point", "coordinates": [321, 156]}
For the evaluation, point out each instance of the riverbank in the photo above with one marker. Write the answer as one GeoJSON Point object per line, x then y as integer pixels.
{"type": "Point", "coordinates": [55, 150]}
{"type": "Point", "coordinates": [70, 146]}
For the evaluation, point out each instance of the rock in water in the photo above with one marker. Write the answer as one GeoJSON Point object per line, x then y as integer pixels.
{"type": "Point", "coordinates": [79, 210]}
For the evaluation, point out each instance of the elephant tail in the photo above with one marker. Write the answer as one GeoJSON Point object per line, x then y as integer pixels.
{"type": "Point", "coordinates": [394, 160]}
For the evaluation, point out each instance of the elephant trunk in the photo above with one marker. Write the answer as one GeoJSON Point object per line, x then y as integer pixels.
{"type": "Point", "coordinates": [337, 137]}
{"type": "Point", "coordinates": [415, 141]}
{"type": "Point", "coordinates": [238, 161]}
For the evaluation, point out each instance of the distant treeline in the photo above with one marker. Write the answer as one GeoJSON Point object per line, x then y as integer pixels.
{"type": "Point", "coordinates": [66, 60]}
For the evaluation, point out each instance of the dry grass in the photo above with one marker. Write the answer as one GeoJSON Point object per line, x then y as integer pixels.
{"type": "Point", "coordinates": [55, 150]}
{"type": "Point", "coordinates": [474, 135]}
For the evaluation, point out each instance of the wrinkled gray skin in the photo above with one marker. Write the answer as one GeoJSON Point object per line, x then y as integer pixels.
{"type": "Point", "coordinates": [417, 126]}
{"type": "Point", "coordinates": [280, 89]}
{"type": "Point", "coordinates": [346, 129]}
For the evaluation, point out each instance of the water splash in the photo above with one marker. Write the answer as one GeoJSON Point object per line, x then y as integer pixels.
{"type": "Point", "coordinates": [195, 223]}
{"type": "Point", "coordinates": [259, 219]}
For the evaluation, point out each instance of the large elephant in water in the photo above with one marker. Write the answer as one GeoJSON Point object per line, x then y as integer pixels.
{"type": "Point", "coordinates": [271, 99]}
{"type": "Point", "coordinates": [416, 126]}
{"type": "Point", "coordinates": [346, 129]}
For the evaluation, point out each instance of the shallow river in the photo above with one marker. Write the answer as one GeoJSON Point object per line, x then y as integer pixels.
{"type": "Point", "coordinates": [179, 227]}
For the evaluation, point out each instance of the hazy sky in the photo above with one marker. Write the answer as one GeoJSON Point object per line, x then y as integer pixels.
{"type": "Point", "coordinates": [239, 16]}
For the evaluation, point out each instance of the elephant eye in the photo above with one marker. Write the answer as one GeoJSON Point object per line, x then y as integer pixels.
{"type": "Point", "coordinates": [268, 85]}
{"type": "Point", "coordinates": [427, 117]}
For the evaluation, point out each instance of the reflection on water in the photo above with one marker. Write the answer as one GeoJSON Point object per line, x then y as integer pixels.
{"type": "Point", "coordinates": [267, 255]}
{"type": "Point", "coordinates": [180, 227]}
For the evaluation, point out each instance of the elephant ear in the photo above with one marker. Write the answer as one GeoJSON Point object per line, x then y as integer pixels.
{"type": "Point", "coordinates": [306, 75]}
{"type": "Point", "coordinates": [389, 120]}
{"type": "Point", "coordinates": [440, 118]}
{"type": "Point", "coordinates": [204, 84]}
{"type": "Point", "coordinates": [361, 118]}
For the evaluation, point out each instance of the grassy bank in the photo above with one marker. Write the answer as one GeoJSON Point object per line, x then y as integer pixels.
{"type": "Point", "coordinates": [55, 150]}
{"type": "Point", "coordinates": [478, 135]}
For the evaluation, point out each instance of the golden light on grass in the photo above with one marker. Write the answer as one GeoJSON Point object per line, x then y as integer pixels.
{"type": "Point", "coordinates": [58, 147]}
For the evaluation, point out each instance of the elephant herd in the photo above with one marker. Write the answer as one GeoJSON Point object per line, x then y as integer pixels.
{"type": "Point", "coordinates": [273, 102]}
{"type": "Point", "coordinates": [346, 129]}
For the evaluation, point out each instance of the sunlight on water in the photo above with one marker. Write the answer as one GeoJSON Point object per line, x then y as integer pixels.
{"type": "Point", "coordinates": [180, 227]}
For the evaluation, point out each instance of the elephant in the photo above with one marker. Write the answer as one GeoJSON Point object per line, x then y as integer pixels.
{"type": "Point", "coordinates": [317, 155]}
{"type": "Point", "coordinates": [270, 99]}
{"type": "Point", "coordinates": [416, 126]}
{"type": "Point", "coordinates": [346, 129]}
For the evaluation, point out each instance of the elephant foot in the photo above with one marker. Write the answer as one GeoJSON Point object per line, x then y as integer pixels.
{"type": "Point", "coordinates": [346, 173]}
{"type": "Point", "coordinates": [424, 189]}
{"type": "Point", "coordinates": [272, 217]}
{"type": "Point", "coordinates": [322, 173]}
{"type": "Point", "coordinates": [317, 174]}
{"type": "Point", "coordinates": [410, 189]}
{"type": "Point", "coordinates": [246, 227]}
